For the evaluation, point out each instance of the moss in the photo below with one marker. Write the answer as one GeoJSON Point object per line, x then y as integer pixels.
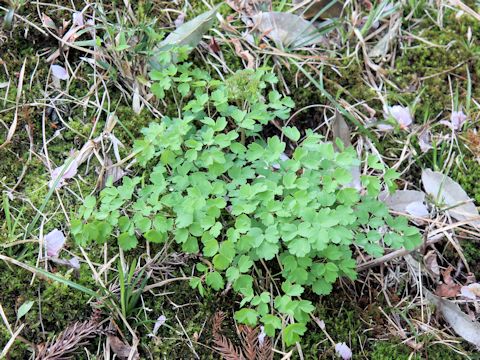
{"type": "Point", "coordinates": [56, 305]}
{"type": "Point", "coordinates": [185, 306]}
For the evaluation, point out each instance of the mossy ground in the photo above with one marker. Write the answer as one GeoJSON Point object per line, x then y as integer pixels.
{"type": "Point", "coordinates": [428, 68]}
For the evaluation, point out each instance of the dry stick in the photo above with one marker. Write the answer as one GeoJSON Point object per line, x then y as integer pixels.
{"type": "Point", "coordinates": [5, 320]}
{"type": "Point", "coordinates": [11, 341]}
{"type": "Point", "coordinates": [394, 254]}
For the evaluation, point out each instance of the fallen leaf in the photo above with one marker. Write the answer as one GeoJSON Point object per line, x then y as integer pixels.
{"type": "Point", "coordinates": [287, 30]}
{"type": "Point", "coordinates": [447, 275]}
{"type": "Point", "coordinates": [250, 7]}
{"type": "Point", "coordinates": [447, 290]}
{"type": "Point", "coordinates": [54, 242]}
{"type": "Point", "coordinates": [457, 319]}
{"type": "Point", "coordinates": [431, 263]}
{"type": "Point", "coordinates": [340, 129]}
{"type": "Point", "coordinates": [59, 72]}
{"type": "Point", "coordinates": [121, 349]}
{"type": "Point", "coordinates": [244, 54]}
{"type": "Point", "coordinates": [449, 193]}
{"type": "Point", "coordinates": [326, 8]}
{"type": "Point", "coordinates": [48, 22]}
{"type": "Point", "coordinates": [406, 201]}
{"type": "Point", "coordinates": [417, 208]}
{"type": "Point", "coordinates": [191, 32]}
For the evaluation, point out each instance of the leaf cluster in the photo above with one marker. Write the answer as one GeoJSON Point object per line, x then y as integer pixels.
{"type": "Point", "coordinates": [213, 185]}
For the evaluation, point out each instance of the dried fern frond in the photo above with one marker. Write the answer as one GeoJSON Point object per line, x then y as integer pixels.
{"type": "Point", "coordinates": [249, 339]}
{"type": "Point", "coordinates": [217, 322]}
{"type": "Point", "coordinates": [223, 345]}
{"type": "Point", "coordinates": [253, 348]}
{"type": "Point", "coordinates": [66, 344]}
{"type": "Point", "coordinates": [226, 349]}
{"type": "Point", "coordinates": [265, 350]}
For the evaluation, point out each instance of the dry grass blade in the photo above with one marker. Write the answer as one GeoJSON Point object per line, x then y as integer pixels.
{"type": "Point", "coordinates": [10, 342]}
{"type": "Point", "coordinates": [13, 127]}
{"type": "Point", "coordinates": [68, 342]}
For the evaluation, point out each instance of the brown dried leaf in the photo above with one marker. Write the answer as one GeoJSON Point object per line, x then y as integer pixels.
{"type": "Point", "coordinates": [447, 290]}
{"type": "Point", "coordinates": [431, 263]}
{"type": "Point", "coordinates": [447, 275]}
{"type": "Point", "coordinates": [244, 54]}
{"type": "Point", "coordinates": [340, 129]}
{"type": "Point", "coordinates": [121, 349]}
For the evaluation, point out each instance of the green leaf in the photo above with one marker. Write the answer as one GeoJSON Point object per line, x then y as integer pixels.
{"type": "Point", "coordinates": [244, 263]}
{"type": "Point", "coordinates": [292, 333]}
{"type": "Point", "coordinates": [292, 289]}
{"type": "Point", "coordinates": [243, 223]}
{"type": "Point", "coordinates": [24, 309]}
{"type": "Point", "coordinates": [291, 132]}
{"type": "Point", "coordinates": [214, 280]}
{"type": "Point", "coordinates": [155, 236]}
{"type": "Point", "coordinates": [127, 241]}
{"type": "Point", "coordinates": [246, 316]}
{"type": "Point", "coordinates": [271, 323]}
{"type": "Point", "coordinates": [321, 287]}
{"type": "Point", "coordinates": [221, 262]}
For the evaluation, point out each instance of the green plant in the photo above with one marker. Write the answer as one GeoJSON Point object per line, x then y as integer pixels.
{"type": "Point", "coordinates": [214, 186]}
{"type": "Point", "coordinates": [131, 287]}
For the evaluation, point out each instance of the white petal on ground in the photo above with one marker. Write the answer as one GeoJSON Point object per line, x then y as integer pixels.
{"type": "Point", "coordinates": [74, 263]}
{"type": "Point", "coordinates": [401, 114]}
{"type": "Point", "coordinates": [343, 351]}
{"type": "Point", "coordinates": [78, 19]}
{"type": "Point", "coordinates": [59, 72]}
{"type": "Point", "coordinates": [69, 173]}
{"type": "Point", "coordinates": [471, 291]}
{"type": "Point", "coordinates": [261, 336]}
{"type": "Point", "coordinates": [54, 242]}
{"type": "Point", "coordinates": [160, 321]}
{"type": "Point", "coordinates": [424, 141]}
{"type": "Point", "coordinates": [457, 118]}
